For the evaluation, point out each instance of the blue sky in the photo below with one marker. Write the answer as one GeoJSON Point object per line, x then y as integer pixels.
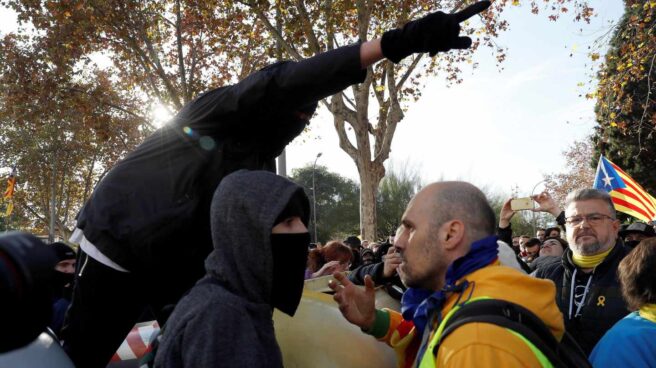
{"type": "Point", "coordinates": [498, 129]}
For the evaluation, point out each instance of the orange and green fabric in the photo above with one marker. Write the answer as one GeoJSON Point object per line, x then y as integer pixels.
{"type": "Point", "coordinates": [477, 344]}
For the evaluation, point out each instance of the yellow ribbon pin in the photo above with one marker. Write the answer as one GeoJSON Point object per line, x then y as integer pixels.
{"type": "Point", "coordinates": [601, 301]}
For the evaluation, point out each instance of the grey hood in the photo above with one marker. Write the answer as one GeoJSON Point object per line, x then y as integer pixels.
{"type": "Point", "coordinates": [244, 208]}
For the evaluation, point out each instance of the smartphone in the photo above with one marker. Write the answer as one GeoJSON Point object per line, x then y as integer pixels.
{"type": "Point", "coordinates": [519, 204]}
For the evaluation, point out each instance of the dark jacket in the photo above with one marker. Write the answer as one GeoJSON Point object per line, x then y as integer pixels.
{"type": "Point", "coordinates": [150, 214]}
{"type": "Point", "coordinates": [505, 234]}
{"type": "Point", "coordinates": [603, 305]}
{"type": "Point", "coordinates": [393, 284]}
{"type": "Point", "coordinates": [226, 318]}
{"type": "Point", "coordinates": [543, 261]}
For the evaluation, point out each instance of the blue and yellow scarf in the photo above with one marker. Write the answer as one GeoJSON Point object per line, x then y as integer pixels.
{"type": "Point", "coordinates": [418, 304]}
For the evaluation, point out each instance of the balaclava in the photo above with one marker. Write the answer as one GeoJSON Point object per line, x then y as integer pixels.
{"type": "Point", "coordinates": [290, 252]}
{"type": "Point", "coordinates": [63, 252]}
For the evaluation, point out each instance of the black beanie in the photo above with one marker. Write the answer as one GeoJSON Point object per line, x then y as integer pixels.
{"type": "Point", "coordinates": [297, 206]}
{"type": "Point", "coordinates": [63, 251]}
{"type": "Point", "coordinates": [353, 242]}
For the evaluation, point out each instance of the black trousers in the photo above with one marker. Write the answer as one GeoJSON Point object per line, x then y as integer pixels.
{"type": "Point", "coordinates": [105, 306]}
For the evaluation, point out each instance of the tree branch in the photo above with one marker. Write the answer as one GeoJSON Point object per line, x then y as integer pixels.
{"type": "Point", "coordinates": [181, 64]}
{"type": "Point", "coordinates": [132, 47]}
{"type": "Point", "coordinates": [380, 95]}
{"type": "Point", "coordinates": [339, 112]}
{"type": "Point", "coordinates": [411, 68]}
{"type": "Point", "coordinates": [154, 59]}
{"type": "Point", "coordinates": [87, 179]}
{"type": "Point", "coordinates": [114, 106]}
{"type": "Point", "coordinates": [307, 27]}
{"type": "Point", "coordinates": [34, 213]}
{"type": "Point", "coordinates": [387, 129]}
{"type": "Point", "coordinates": [273, 31]}
{"type": "Point", "coordinates": [330, 28]}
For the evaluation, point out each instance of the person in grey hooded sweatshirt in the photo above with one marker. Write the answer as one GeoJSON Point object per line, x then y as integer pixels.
{"type": "Point", "coordinates": [259, 230]}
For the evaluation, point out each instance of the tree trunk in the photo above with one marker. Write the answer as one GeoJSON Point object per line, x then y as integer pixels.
{"type": "Point", "coordinates": [370, 175]}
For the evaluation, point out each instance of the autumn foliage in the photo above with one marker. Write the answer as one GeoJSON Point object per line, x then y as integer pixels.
{"type": "Point", "coordinates": [62, 127]}
{"type": "Point", "coordinates": [626, 95]}
{"type": "Point", "coordinates": [165, 52]}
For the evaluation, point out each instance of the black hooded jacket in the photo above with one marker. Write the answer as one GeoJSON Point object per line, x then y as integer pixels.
{"type": "Point", "coordinates": [226, 319]}
{"type": "Point", "coordinates": [150, 214]}
{"type": "Point", "coordinates": [603, 305]}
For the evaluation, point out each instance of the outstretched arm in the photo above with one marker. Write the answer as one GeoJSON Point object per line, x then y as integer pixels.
{"type": "Point", "coordinates": [436, 32]}
{"type": "Point", "coordinates": [289, 85]}
{"type": "Point", "coordinates": [370, 53]}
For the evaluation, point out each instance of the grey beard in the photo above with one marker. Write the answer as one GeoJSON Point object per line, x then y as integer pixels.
{"type": "Point", "coordinates": [588, 249]}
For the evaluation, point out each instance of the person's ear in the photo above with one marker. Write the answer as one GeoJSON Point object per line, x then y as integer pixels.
{"type": "Point", "coordinates": [453, 234]}
{"type": "Point", "coordinates": [616, 226]}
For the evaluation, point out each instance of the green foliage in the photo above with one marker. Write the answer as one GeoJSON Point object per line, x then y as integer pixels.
{"type": "Point", "coordinates": [394, 192]}
{"type": "Point", "coordinates": [337, 202]}
{"type": "Point", "coordinates": [3, 223]}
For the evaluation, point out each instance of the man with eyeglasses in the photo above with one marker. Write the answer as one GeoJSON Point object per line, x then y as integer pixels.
{"type": "Point", "coordinates": [587, 290]}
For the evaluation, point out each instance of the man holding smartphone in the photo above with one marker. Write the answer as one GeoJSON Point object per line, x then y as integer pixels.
{"type": "Point", "coordinates": [587, 289]}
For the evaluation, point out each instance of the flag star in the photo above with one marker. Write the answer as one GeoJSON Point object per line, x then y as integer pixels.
{"type": "Point", "coordinates": [607, 180]}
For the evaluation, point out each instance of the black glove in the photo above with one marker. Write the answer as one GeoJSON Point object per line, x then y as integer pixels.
{"type": "Point", "coordinates": [433, 33]}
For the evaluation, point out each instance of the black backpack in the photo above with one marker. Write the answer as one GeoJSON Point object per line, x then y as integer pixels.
{"type": "Point", "coordinates": [566, 353]}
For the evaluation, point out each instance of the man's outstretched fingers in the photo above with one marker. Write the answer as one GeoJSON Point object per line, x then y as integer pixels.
{"type": "Point", "coordinates": [342, 279]}
{"type": "Point", "coordinates": [471, 10]}
{"type": "Point", "coordinates": [461, 43]}
{"type": "Point", "coordinates": [333, 285]}
{"type": "Point", "coordinates": [369, 284]}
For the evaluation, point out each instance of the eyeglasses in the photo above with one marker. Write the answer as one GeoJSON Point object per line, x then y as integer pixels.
{"type": "Point", "coordinates": [592, 219]}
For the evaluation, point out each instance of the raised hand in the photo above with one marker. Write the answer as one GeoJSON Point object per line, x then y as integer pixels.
{"type": "Point", "coordinates": [433, 33]}
{"type": "Point", "coordinates": [327, 269]}
{"type": "Point", "coordinates": [506, 214]}
{"type": "Point", "coordinates": [546, 204]}
{"type": "Point", "coordinates": [358, 306]}
{"type": "Point", "coordinates": [391, 262]}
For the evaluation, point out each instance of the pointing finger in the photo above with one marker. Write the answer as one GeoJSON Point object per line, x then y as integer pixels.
{"type": "Point", "coordinates": [471, 10]}
{"type": "Point", "coordinates": [461, 43]}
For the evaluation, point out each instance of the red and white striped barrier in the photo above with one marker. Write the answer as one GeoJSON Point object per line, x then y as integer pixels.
{"type": "Point", "coordinates": [136, 343]}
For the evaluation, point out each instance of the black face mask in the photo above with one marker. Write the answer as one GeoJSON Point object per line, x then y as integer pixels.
{"type": "Point", "coordinates": [60, 280]}
{"type": "Point", "coordinates": [632, 243]}
{"type": "Point", "coordinates": [290, 252]}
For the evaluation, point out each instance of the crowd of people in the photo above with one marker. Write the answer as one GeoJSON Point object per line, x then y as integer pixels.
{"type": "Point", "coordinates": [591, 281]}
{"type": "Point", "coordinates": [220, 241]}
{"type": "Point", "coordinates": [600, 289]}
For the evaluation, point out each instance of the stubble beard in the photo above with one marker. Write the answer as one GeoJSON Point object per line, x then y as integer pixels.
{"type": "Point", "coordinates": [429, 277]}
{"type": "Point", "coordinates": [587, 249]}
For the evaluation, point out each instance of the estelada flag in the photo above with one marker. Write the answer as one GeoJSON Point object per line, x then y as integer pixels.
{"type": "Point", "coordinates": [627, 195]}
{"type": "Point", "coordinates": [11, 184]}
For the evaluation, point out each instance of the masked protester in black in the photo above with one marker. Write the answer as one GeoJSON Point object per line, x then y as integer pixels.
{"type": "Point", "coordinates": [147, 222]}
{"type": "Point", "coordinates": [62, 283]}
{"type": "Point", "coordinates": [259, 229]}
